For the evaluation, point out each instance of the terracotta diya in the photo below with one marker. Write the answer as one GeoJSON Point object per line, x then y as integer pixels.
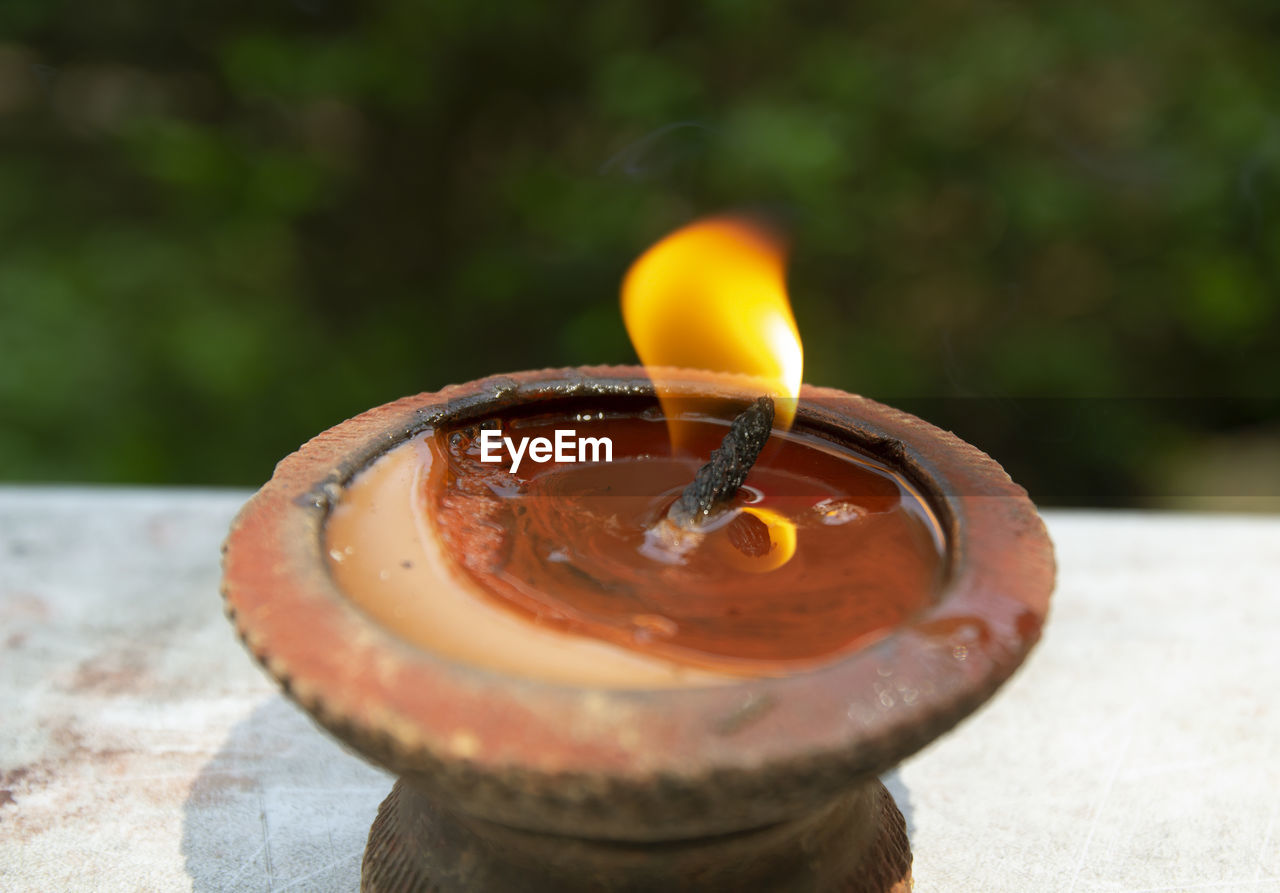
{"type": "Point", "coordinates": [597, 663]}
{"type": "Point", "coordinates": [753, 769]}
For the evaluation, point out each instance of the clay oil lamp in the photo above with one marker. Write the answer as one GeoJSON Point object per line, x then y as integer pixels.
{"type": "Point", "coordinates": [642, 629]}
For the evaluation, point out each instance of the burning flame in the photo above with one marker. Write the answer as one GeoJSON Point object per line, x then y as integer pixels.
{"type": "Point", "coordinates": [780, 548]}
{"type": "Point", "coordinates": [713, 295]}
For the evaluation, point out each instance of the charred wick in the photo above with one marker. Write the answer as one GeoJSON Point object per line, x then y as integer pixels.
{"type": "Point", "coordinates": [718, 480]}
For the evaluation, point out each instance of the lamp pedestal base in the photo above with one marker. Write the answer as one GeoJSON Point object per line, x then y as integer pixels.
{"type": "Point", "coordinates": [855, 844]}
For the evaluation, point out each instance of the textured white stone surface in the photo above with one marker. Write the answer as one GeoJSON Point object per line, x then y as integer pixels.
{"type": "Point", "coordinates": [141, 749]}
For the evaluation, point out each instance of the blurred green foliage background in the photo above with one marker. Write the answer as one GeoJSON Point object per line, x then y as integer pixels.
{"type": "Point", "coordinates": [1052, 228]}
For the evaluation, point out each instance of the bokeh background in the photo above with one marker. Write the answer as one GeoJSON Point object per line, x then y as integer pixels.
{"type": "Point", "coordinates": [1052, 228]}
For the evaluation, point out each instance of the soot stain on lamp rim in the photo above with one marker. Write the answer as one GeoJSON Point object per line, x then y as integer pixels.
{"type": "Point", "coordinates": [501, 392]}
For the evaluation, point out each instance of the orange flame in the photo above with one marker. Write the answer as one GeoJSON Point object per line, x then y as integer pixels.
{"type": "Point", "coordinates": [713, 295]}
{"type": "Point", "coordinates": [780, 548]}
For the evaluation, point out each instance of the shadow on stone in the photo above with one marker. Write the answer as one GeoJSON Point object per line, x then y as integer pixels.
{"type": "Point", "coordinates": [280, 806]}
